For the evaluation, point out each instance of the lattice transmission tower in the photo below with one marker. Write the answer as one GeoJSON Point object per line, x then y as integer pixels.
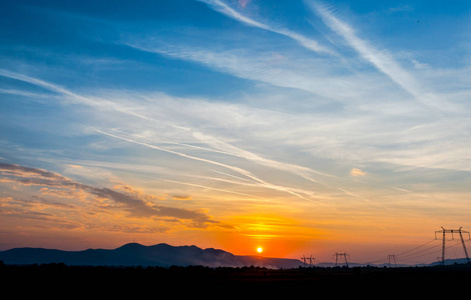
{"type": "Point", "coordinates": [453, 231]}
{"type": "Point", "coordinates": [312, 260]}
{"type": "Point", "coordinates": [344, 255]}
{"type": "Point", "coordinates": [392, 260]}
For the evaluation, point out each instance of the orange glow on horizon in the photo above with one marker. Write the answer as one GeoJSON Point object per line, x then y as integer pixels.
{"type": "Point", "coordinates": [270, 234]}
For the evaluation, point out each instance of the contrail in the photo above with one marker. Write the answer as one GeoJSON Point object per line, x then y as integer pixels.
{"type": "Point", "coordinates": [228, 148]}
{"type": "Point", "coordinates": [207, 187]}
{"type": "Point", "coordinates": [222, 173]}
{"type": "Point", "coordinates": [235, 169]}
{"type": "Point", "coordinates": [44, 84]}
{"type": "Point", "coordinates": [380, 59]}
{"type": "Point", "coordinates": [221, 146]}
{"type": "Point", "coordinates": [230, 12]}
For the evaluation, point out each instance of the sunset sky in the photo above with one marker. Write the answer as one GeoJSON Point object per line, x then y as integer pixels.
{"type": "Point", "coordinates": [300, 127]}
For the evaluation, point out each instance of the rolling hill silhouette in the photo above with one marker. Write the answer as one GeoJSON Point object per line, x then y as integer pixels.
{"type": "Point", "coordinates": [134, 254]}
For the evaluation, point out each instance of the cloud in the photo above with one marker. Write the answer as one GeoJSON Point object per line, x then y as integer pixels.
{"type": "Point", "coordinates": [319, 78]}
{"type": "Point", "coordinates": [381, 59]}
{"type": "Point", "coordinates": [133, 203]}
{"type": "Point", "coordinates": [142, 112]}
{"type": "Point", "coordinates": [401, 9]}
{"type": "Point", "coordinates": [308, 43]}
{"type": "Point", "coordinates": [357, 172]}
{"type": "Point", "coordinates": [260, 182]}
{"type": "Point", "coordinates": [34, 209]}
{"type": "Point", "coordinates": [181, 197]}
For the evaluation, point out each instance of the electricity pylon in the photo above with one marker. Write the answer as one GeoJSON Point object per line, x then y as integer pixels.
{"type": "Point", "coordinates": [452, 231]}
{"type": "Point", "coordinates": [304, 260]}
{"type": "Point", "coordinates": [341, 254]}
{"type": "Point", "coordinates": [392, 258]}
{"type": "Point", "coordinates": [311, 259]}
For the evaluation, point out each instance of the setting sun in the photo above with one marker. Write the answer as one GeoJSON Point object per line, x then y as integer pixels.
{"type": "Point", "coordinates": [259, 249]}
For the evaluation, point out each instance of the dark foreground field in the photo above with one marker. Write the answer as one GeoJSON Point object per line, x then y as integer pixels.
{"type": "Point", "coordinates": [74, 280]}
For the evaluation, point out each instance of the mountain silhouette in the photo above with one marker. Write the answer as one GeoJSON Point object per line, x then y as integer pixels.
{"type": "Point", "coordinates": [134, 254]}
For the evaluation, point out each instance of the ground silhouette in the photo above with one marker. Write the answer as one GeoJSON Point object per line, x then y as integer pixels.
{"type": "Point", "coordinates": [192, 278]}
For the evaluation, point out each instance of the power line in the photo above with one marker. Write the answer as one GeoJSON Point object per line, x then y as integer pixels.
{"type": "Point", "coordinates": [421, 253]}
{"type": "Point", "coordinates": [426, 243]}
{"type": "Point", "coordinates": [415, 253]}
{"type": "Point", "coordinates": [452, 232]}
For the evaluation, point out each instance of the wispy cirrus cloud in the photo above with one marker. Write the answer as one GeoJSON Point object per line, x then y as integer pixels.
{"type": "Point", "coordinates": [216, 145]}
{"type": "Point", "coordinates": [318, 77]}
{"type": "Point", "coordinates": [306, 42]}
{"type": "Point", "coordinates": [258, 181]}
{"type": "Point", "coordinates": [381, 59]}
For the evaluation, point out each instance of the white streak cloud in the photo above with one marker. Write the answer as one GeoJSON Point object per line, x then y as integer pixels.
{"type": "Point", "coordinates": [381, 59]}
{"type": "Point", "coordinates": [230, 12]}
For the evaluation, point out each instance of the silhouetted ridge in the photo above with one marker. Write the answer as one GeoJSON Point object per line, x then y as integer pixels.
{"type": "Point", "coordinates": [130, 246]}
{"type": "Point", "coordinates": [134, 254]}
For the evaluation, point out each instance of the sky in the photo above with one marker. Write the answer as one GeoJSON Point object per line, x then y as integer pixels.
{"type": "Point", "coordinates": [301, 127]}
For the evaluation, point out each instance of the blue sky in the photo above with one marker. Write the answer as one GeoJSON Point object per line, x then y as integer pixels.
{"type": "Point", "coordinates": [301, 125]}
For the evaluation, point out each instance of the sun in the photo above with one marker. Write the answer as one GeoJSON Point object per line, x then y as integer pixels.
{"type": "Point", "coordinates": [259, 249]}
